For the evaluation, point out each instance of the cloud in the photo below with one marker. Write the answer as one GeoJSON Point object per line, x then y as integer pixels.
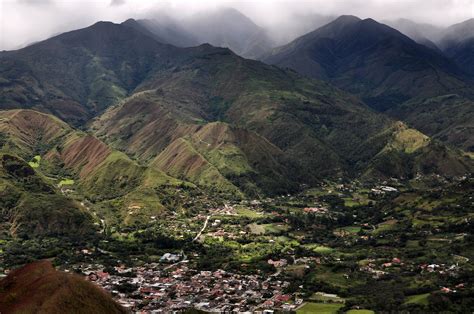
{"type": "Point", "coordinates": [35, 2]}
{"type": "Point", "coordinates": [117, 2]}
{"type": "Point", "coordinates": [26, 21]}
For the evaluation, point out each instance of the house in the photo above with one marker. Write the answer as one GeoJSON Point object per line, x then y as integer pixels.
{"type": "Point", "coordinates": [315, 210]}
{"type": "Point", "coordinates": [279, 263]}
{"type": "Point", "coordinates": [170, 258]}
{"type": "Point", "coordinates": [389, 189]}
{"type": "Point", "coordinates": [268, 304]}
{"type": "Point", "coordinates": [282, 298]}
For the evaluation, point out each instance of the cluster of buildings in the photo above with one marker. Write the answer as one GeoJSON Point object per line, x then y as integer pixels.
{"type": "Point", "coordinates": [379, 270]}
{"type": "Point", "coordinates": [317, 209]}
{"type": "Point", "coordinates": [159, 289]}
{"type": "Point", "coordinates": [380, 190]}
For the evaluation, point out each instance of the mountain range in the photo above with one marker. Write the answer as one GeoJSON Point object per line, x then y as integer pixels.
{"type": "Point", "coordinates": [387, 69]}
{"type": "Point", "coordinates": [130, 116]}
{"type": "Point", "coordinates": [225, 27]}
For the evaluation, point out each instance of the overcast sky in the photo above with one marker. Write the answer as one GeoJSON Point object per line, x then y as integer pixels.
{"type": "Point", "coordinates": [26, 21]}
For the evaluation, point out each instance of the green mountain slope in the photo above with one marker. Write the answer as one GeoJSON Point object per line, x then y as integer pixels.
{"type": "Point", "coordinates": [269, 130]}
{"type": "Point", "coordinates": [77, 74]}
{"type": "Point", "coordinates": [225, 158]}
{"type": "Point", "coordinates": [99, 173]}
{"type": "Point", "coordinates": [320, 130]}
{"type": "Point", "coordinates": [386, 69]}
{"type": "Point", "coordinates": [409, 153]}
{"type": "Point", "coordinates": [372, 60]}
{"type": "Point", "coordinates": [449, 118]}
{"type": "Point", "coordinates": [30, 205]}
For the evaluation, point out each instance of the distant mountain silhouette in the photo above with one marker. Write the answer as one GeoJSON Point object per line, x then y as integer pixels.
{"type": "Point", "coordinates": [370, 59]}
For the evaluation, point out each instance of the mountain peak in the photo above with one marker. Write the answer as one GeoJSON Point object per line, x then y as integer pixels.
{"type": "Point", "coordinates": [350, 50]}
{"type": "Point", "coordinates": [370, 21]}
{"type": "Point", "coordinates": [346, 19]}
{"type": "Point", "coordinates": [104, 24]}
{"type": "Point", "coordinates": [129, 21]}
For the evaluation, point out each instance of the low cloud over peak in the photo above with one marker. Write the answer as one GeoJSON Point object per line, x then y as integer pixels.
{"type": "Point", "coordinates": [26, 21]}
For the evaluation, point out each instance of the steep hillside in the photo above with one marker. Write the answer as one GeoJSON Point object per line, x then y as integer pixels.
{"type": "Point", "coordinates": [231, 29]}
{"type": "Point", "coordinates": [372, 60]}
{"type": "Point", "coordinates": [409, 153]}
{"type": "Point", "coordinates": [77, 74]}
{"type": "Point", "coordinates": [457, 43]}
{"type": "Point", "coordinates": [320, 130]}
{"type": "Point", "coordinates": [30, 133]}
{"type": "Point", "coordinates": [226, 158]}
{"type": "Point", "coordinates": [449, 118]}
{"type": "Point", "coordinates": [279, 130]}
{"type": "Point", "coordinates": [165, 30]}
{"type": "Point", "coordinates": [425, 34]}
{"type": "Point", "coordinates": [60, 153]}
{"type": "Point", "coordinates": [32, 206]}
{"type": "Point", "coordinates": [39, 288]}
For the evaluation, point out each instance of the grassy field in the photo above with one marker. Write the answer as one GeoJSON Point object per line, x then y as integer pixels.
{"type": "Point", "coordinates": [351, 229]}
{"type": "Point", "coordinates": [327, 275]}
{"type": "Point", "coordinates": [275, 228]}
{"type": "Point", "coordinates": [320, 308]}
{"type": "Point", "coordinates": [35, 162]}
{"type": "Point", "coordinates": [267, 228]}
{"type": "Point", "coordinates": [386, 226]}
{"type": "Point", "coordinates": [246, 212]}
{"type": "Point", "coordinates": [418, 299]}
{"type": "Point", "coordinates": [66, 182]}
{"type": "Point", "coordinates": [324, 297]}
{"type": "Point", "coordinates": [256, 229]}
{"type": "Point", "coordinates": [360, 312]}
{"type": "Point", "coordinates": [319, 248]}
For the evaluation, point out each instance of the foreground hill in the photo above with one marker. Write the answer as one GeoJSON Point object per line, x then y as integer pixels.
{"type": "Point", "coordinates": [39, 288]}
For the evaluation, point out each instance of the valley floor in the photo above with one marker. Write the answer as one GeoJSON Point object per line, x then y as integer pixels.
{"type": "Point", "coordinates": [343, 246]}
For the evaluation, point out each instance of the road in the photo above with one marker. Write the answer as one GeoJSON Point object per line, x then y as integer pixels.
{"type": "Point", "coordinates": [202, 230]}
{"type": "Point", "coordinates": [185, 259]}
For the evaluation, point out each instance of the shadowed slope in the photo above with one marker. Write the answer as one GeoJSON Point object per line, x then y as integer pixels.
{"type": "Point", "coordinates": [457, 42]}
{"type": "Point", "coordinates": [372, 60]}
{"type": "Point", "coordinates": [77, 74]}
